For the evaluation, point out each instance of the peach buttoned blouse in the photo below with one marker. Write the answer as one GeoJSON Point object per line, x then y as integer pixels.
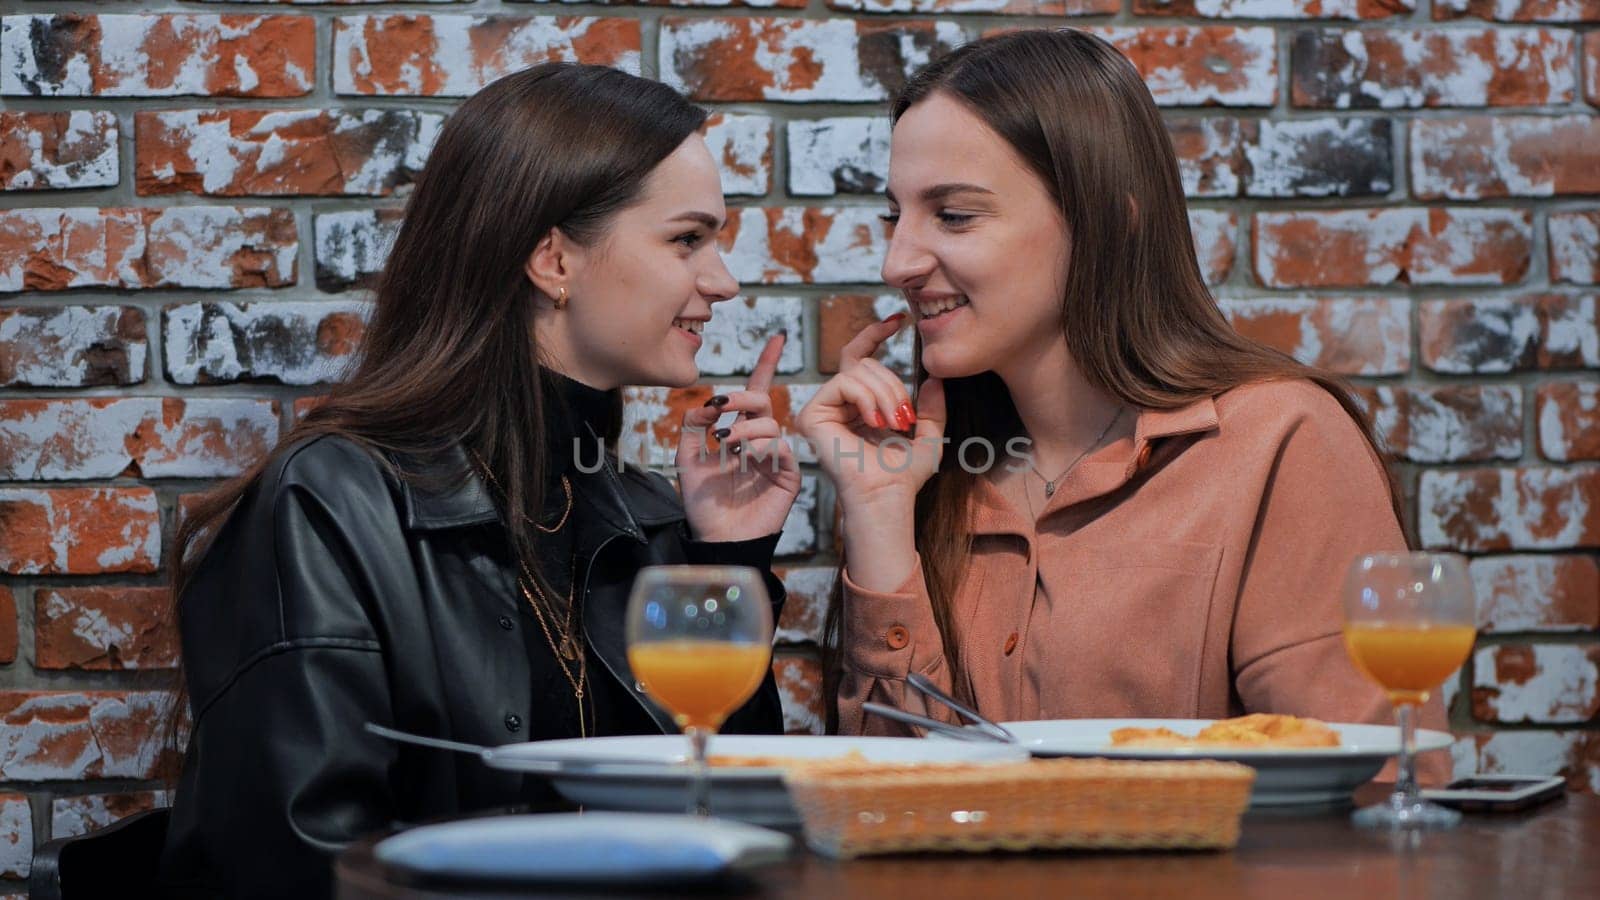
{"type": "Point", "coordinates": [1195, 571]}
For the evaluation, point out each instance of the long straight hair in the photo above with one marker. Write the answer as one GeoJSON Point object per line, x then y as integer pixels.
{"type": "Point", "coordinates": [450, 355]}
{"type": "Point", "coordinates": [1138, 319]}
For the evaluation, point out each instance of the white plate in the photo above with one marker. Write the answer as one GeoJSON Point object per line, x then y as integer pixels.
{"type": "Point", "coordinates": [596, 848]}
{"type": "Point", "coordinates": [651, 773]}
{"type": "Point", "coordinates": [1284, 777]}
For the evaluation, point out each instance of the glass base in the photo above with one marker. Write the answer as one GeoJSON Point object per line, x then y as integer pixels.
{"type": "Point", "coordinates": [1402, 813]}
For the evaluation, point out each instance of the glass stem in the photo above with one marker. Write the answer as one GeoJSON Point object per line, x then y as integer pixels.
{"type": "Point", "coordinates": [1405, 779]}
{"type": "Point", "coordinates": [700, 804]}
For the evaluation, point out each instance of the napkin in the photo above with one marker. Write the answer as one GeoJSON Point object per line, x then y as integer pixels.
{"type": "Point", "coordinates": [597, 847]}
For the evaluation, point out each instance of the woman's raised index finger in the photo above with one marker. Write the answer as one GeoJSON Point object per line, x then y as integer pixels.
{"type": "Point", "coordinates": [767, 365]}
{"type": "Point", "coordinates": [871, 338]}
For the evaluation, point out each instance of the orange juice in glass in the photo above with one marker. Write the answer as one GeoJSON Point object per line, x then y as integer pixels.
{"type": "Point", "coordinates": [1408, 660]}
{"type": "Point", "coordinates": [1410, 621]}
{"type": "Point", "coordinates": [700, 682]}
{"type": "Point", "coordinates": [700, 642]}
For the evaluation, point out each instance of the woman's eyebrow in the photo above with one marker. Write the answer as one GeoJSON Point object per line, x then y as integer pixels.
{"type": "Point", "coordinates": [703, 218]}
{"type": "Point", "coordinates": [941, 191]}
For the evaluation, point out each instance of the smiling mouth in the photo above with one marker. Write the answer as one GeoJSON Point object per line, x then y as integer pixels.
{"type": "Point", "coordinates": [693, 326]}
{"type": "Point", "coordinates": [932, 309]}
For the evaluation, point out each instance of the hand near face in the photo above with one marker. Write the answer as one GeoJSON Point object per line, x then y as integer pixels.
{"type": "Point", "coordinates": [739, 485]}
{"type": "Point", "coordinates": [877, 447]}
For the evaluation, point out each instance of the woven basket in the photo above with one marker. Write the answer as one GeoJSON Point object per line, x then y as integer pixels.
{"type": "Point", "coordinates": [858, 809]}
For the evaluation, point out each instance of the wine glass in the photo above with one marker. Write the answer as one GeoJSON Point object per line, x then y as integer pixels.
{"type": "Point", "coordinates": [700, 642]}
{"type": "Point", "coordinates": [1410, 621]}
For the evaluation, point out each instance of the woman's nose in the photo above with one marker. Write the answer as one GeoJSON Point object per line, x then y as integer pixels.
{"type": "Point", "coordinates": [718, 284]}
{"type": "Point", "coordinates": [907, 263]}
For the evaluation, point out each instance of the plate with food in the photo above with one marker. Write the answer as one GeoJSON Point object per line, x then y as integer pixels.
{"type": "Point", "coordinates": [1297, 761]}
{"type": "Point", "coordinates": [651, 773]}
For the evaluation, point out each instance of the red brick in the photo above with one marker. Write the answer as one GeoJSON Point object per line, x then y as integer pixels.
{"type": "Point", "coordinates": [1569, 420]}
{"type": "Point", "coordinates": [982, 7]}
{"type": "Point", "coordinates": [742, 147]}
{"type": "Point", "coordinates": [1504, 156]}
{"type": "Point", "coordinates": [1395, 68]}
{"type": "Point", "coordinates": [80, 735]}
{"type": "Point", "coordinates": [8, 626]}
{"type": "Point", "coordinates": [234, 153]}
{"type": "Point", "coordinates": [49, 150]}
{"type": "Point", "coordinates": [1519, 11]}
{"type": "Point", "coordinates": [1480, 510]}
{"type": "Point", "coordinates": [1572, 754]}
{"type": "Point", "coordinates": [800, 690]}
{"type": "Point", "coordinates": [352, 246]}
{"type": "Point", "coordinates": [1227, 157]}
{"type": "Point", "coordinates": [293, 342]}
{"type": "Point", "coordinates": [159, 56]}
{"type": "Point", "coordinates": [843, 155]}
{"type": "Point", "coordinates": [1547, 684]}
{"type": "Point", "coordinates": [1213, 231]}
{"type": "Point", "coordinates": [840, 318]}
{"type": "Point", "coordinates": [1509, 334]}
{"type": "Point", "coordinates": [740, 328]}
{"type": "Point", "coordinates": [174, 247]}
{"type": "Point", "coordinates": [150, 437]}
{"type": "Point", "coordinates": [72, 816]}
{"type": "Point", "coordinates": [455, 55]}
{"type": "Point", "coordinates": [1358, 247]}
{"type": "Point", "coordinates": [805, 245]}
{"type": "Point", "coordinates": [806, 609]}
{"type": "Point", "coordinates": [103, 628]}
{"type": "Point", "coordinates": [1210, 154]}
{"type": "Point", "coordinates": [755, 58]}
{"type": "Point", "coordinates": [79, 531]}
{"type": "Point", "coordinates": [1575, 246]}
{"type": "Point", "coordinates": [1591, 67]}
{"type": "Point", "coordinates": [1349, 335]}
{"type": "Point", "coordinates": [1188, 65]}
{"type": "Point", "coordinates": [1456, 423]}
{"type": "Point", "coordinates": [16, 836]}
{"type": "Point", "coordinates": [1546, 592]}
{"type": "Point", "coordinates": [71, 346]}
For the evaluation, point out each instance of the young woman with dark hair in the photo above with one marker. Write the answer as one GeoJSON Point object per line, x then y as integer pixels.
{"type": "Point", "coordinates": [1173, 540]}
{"type": "Point", "coordinates": [446, 545]}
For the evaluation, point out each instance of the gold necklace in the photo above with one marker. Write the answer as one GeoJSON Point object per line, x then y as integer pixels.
{"type": "Point", "coordinates": [566, 488]}
{"type": "Point", "coordinates": [570, 648]}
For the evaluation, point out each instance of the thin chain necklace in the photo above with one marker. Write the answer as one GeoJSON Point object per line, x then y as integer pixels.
{"type": "Point", "coordinates": [1050, 483]}
{"type": "Point", "coordinates": [569, 649]}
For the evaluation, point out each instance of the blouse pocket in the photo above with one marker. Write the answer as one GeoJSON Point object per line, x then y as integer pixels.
{"type": "Point", "coordinates": [1125, 630]}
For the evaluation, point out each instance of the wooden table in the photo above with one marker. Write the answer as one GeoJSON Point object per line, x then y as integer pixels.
{"type": "Point", "coordinates": [1552, 852]}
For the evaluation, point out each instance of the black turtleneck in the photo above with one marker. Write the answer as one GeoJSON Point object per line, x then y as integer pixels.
{"type": "Point", "coordinates": [576, 418]}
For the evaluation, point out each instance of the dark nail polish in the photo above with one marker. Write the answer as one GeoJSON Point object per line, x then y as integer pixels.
{"type": "Point", "coordinates": [736, 449]}
{"type": "Point", "coordinates": [721, 433]}
{"type": "Point", "coordinates": [718, 401]}
{"type": "Point", "coordinates": [784, 333]}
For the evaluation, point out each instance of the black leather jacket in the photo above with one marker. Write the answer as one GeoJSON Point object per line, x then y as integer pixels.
{"type": "Point", "coordinates": [336, 594]}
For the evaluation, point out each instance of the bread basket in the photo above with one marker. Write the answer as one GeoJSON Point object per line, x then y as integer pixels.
{"type": "Point", "coordinates": [855, 808]}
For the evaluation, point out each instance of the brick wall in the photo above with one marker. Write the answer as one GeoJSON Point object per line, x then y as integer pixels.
{"type": "Point", "coordinates": [193, 194]}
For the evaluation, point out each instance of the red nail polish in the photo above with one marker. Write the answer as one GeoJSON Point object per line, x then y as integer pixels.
{"type": "Point", "coordinates": [896, 317]}
{"type": "Point", "coordinates": [905, 415]}
{"type": "Point", "coordinates": [878, 420]}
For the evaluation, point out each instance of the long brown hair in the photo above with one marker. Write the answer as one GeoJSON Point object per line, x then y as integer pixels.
{"type": "Point", "coordinates": [450, 354]}
{"type": "Point", "coordinates": [1139, 321]}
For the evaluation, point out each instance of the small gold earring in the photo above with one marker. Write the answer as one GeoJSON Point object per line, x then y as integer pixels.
{"type": "Point", "coordinates": [561, 298]}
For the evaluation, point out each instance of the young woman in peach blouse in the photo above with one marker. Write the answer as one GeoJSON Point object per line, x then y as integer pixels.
{"type": "Point", "coordinates": [1103, 501]}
